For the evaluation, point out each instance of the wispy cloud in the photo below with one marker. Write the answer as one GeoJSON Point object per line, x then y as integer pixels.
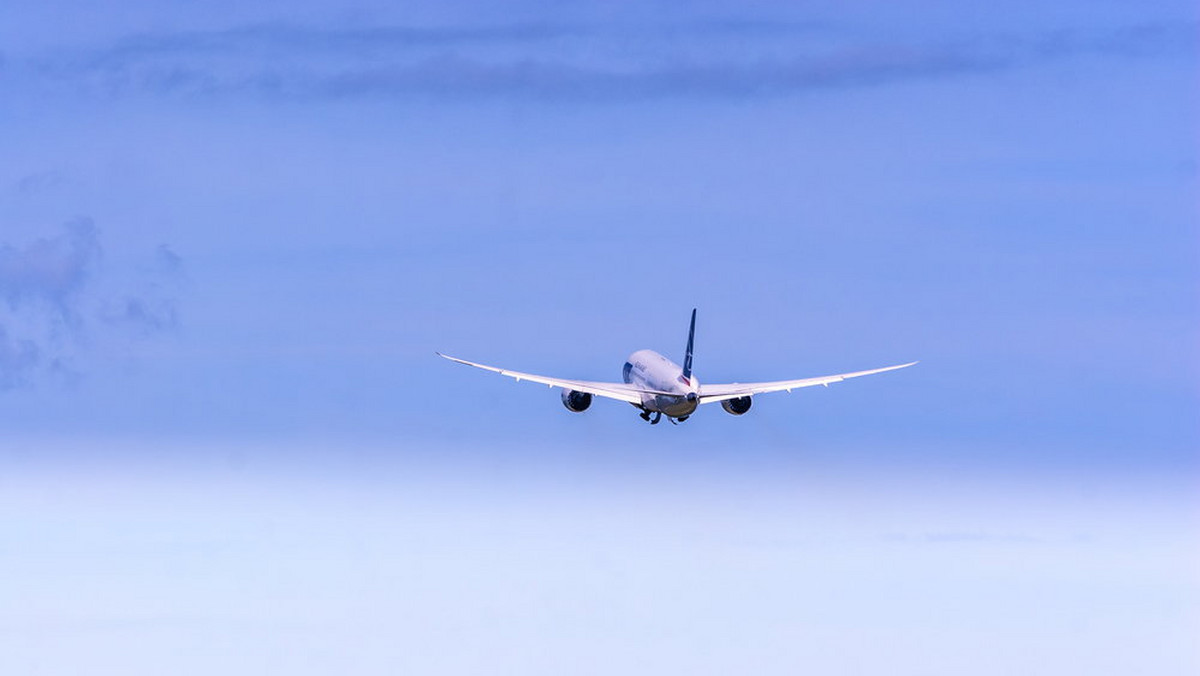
{"type": "Point", "coordinates": [963, 537]}
{"type": "Point", "coordinates": [18, 360]}
{"type": "Point", "coordinates": [263, 39]}
{"type": "Point", "coordinates": [151, 308]}
{"type": "Point", "coordinates": [39, 182]}
{"type": "Point", "coordinates": [55, 303]}
{"type": "Point", "coordinates": [51, 271]}
{"type": "Point", "coordinates": [724, 59]}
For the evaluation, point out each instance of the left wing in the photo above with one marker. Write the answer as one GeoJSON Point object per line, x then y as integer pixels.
{"type": "Point", "coordinates": [711, 393]}
{"type": "Point", "coordinates": [619, 391]}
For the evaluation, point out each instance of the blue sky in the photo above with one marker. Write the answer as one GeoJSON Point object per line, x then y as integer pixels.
{"type": "Point", "coordinates": [231, 238]}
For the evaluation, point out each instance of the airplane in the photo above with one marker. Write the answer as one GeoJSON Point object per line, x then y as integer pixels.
{"type": "Point", "coordinates": [658, 386]}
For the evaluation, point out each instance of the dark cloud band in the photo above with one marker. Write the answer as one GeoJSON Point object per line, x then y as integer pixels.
{"type": "Point", "coordinates": [720, 60]}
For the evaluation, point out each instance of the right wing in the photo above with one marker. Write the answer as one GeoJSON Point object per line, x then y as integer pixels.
{"type": "Point", "coordinates": [619, 391]}
{"type": "Point", "coordinates": [711, 393]}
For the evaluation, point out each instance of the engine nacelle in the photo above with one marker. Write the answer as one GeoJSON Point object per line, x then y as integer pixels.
{"type": "Point", "coordinates": [576, 402]}
{"type": "Point", "coordinates": [736, 406]}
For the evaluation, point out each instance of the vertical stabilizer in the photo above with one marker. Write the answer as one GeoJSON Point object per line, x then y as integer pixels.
{"type": "Point", "coordinates": [687, 357]}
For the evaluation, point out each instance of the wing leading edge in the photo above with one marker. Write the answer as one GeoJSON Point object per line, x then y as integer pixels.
{"type": "Point", "coordinates": [618, 391]}
{"type": "Point", "coordinates": [711, 393]}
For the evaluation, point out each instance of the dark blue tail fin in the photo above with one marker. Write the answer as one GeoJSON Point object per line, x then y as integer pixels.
{"type": "Point", "coordinates": [687, 358]}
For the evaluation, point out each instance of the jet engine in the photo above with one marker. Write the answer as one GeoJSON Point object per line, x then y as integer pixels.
{"type": "Point", "coordinates": [577, 402]}
{"type": "Point", "coordinates": [735, 406]}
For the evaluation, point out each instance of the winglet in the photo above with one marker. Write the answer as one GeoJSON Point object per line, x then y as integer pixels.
{"type": "Point", "coordinates": [687, 357]}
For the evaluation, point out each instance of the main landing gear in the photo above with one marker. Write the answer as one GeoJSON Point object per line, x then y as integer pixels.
{"type": "Point", "coordinates": [646, 416]}
{"type": "Point", "coordinates": [654, 417]}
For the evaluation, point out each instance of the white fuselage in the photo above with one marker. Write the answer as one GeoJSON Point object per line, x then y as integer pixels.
{"type": "Point", "coordinates": [649, 370]}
